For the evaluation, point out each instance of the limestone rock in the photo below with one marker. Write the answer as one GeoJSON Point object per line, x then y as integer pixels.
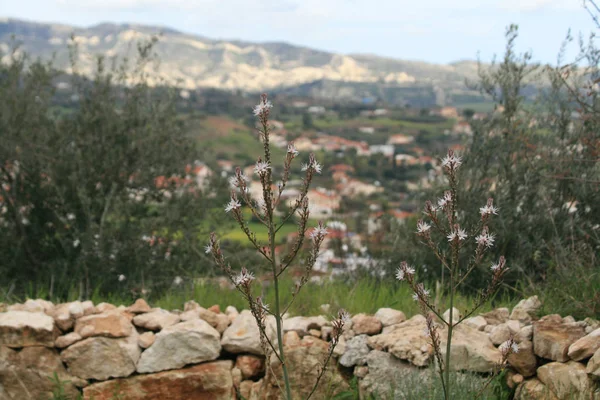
{"type": "Point", "coordinates": [101, 358]}
{"type": "Point", "coordinates": [405, 341]}
{"type": "Point", "coordinates": [471, 350]}
{"type": "Point", "coordinates": [184, 343]}
{"type": "Point", "coordinates": [567, 380]}
{"type": "Point", "coordinates": [304, 357]}
{"type": "Point", "coordinates": [525, 334]}
{"type": "Point", "coordinates": [593, 365]}
{"type": "Point", "coordinates": [585, 347]}
{"type": "Point", "coordinates": [250, 365]}
{"type": "Point", "coordinates": [62, 316]}
{"type": "Point", "coordinates": [139, 307]}
{"type": "Point", "coordinates": [110, 324]}
{"type": "Point", "coordinates": [500, 334]}
{"type": "Point", "coordinates": [103, 307]}
{"type": "Point", "coordinates": [477, 322]}
{"type": "Point", "coordinates": [356, 351]}
{"type": "Point", "coordinates": [383, 370]}
{"type": "Point", "coordinates": [304, 324]}
{"type": "Point", "coordinates": [155, 320]}
{"type": "Point", "coordinates": [242, 336]}
{"type": "Point", "coordinates": [23, 329]}
{"type": "Point", "coordinates": [497, 316]}
{"type": "Point", "coordinates": [67, 340]}
{"type": "Point", "coordinates": [455, 315]}
{"type": "Point", "coordinates": [389, 316]}
{"type": "Point", "coordinates": [366, 324]}
{"type": "Point", "coordinates": [201, 382]}
{"type": "Point", "coordinates": [525, 310]}
{"type": "Point", "coordinates": [24, 374]}
{"type": "Point", "coordinates": [217, 320]}
{"type": "Point", "coordinates": [533, 389]}
{"type": "Point", "coordinates": [38, 305]}
{"type": "Point", "coordinates": [146, 339]}
{"type": "Point", "coordinates": [524, 362]}
{"type": "Point", "coordinates": [552, 337]}
{"type": "Point", "coordinates": [88, 308]}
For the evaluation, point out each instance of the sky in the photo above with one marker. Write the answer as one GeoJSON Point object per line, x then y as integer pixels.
{"type": "Point", "coordinates": [439, 31]}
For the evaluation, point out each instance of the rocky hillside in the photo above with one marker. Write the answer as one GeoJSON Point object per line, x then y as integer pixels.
{"type": "Point", "coordinates": [194, 62]}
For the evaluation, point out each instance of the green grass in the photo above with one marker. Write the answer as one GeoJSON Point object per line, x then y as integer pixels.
{"type": "Point", "coordinates": [262, 233]}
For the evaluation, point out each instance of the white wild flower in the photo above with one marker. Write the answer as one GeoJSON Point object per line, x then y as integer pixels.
{"type": "Point", "coordinates": [261, 168]}
{"type": "Point", "coordinates": [451, 161]}
{"type": "Point", "coordinates": [245, 277]}
{"type": "Point", "coordinates": [444, 201]}
{"type": "Point", "coordinates": [485, 239]}
{"type": "Point", "coordinates": [233, 205]}
{"type": "Point", "coordinates": [319, 232]}
{"type": "Point", "coordinates": [208, 249]}
{"type": "Point", "coordinates": [423, 227]}
{"type": "Point", "coordinates": [262, 107]}
{"type": "Point", "coordinates": [70, 216]}
{"type": "Point", "coordinates": [76, 243]}
{"type": "Point", "coordinates": [291, 149]}
{"type": "Point", "coordinates": [122, 278]}
{"type": "Point", "coordinates": [488, 209]}
{"type": "Point", "coordinates": [459, 234]}
{"type": "Point", "coordinates": [177, 281]}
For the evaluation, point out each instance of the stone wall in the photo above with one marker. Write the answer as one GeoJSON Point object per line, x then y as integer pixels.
{"type": "Point", "coordinates": [138, 352]}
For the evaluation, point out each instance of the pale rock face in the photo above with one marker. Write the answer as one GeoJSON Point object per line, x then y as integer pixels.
{"type": "Point", "coordinates": [497, 316]}
{"type": "Point", "coordinates": [389, 316]}
{"type": "Point", "coordinates": [155, 320]}
{"type": "Point", "coordinates": [304, 356]}
{"type": "Point", "coordinates": [23, 329]}
{"type": "Point", "coordinates": [242, 336]}
{"type": "Point", "coordinates": [250, 366]}
{"type": "Point", "coordinates": [24, 374]}
{"type": "Point", "coordinates": [76, 309]}
{"type": "Point", "coordinates": [500, 334]}
{"type": "Point", "coordinates": [567, 380]}
{"type": "Point", "coordinates": [30, 305]}
{"type": "Point", "coordinates": [406, 341]}
{"type": "Point", "coordinates": [67, 340]}
{"type": "Point", "coordinates": [525, 334]}
{"type": "Point", "coordinates": [62, 316]}
{"type": "Point", "coordinates": [193, 341]}
{"type": "Point", "coordinates": [525, 310]}
{"type": "Point", "coordinates": [585, 347]}
{"type": "Point", "coordinates": [140, 306]}
{"type": "Point", "coordinates": [524, 362]}
{"type": "Point", "coordinates": [471, 350]}
{"type": "Point", "coordinates": [88, 308]}
{"type": "Point", "coordinates": [110, 324]}
{"type": "Point", "coordinates": [356, 351]}
{"type": "Point", "coordinates": [593, 365]}
{"type": "Point", "coordinates": [302, 325]}
{"type": "Point", "coordinates": [146, 339]}
{"type": "Point", "coordinates": [477, 322]}
{"type": "Point", "coordinates": [366, 324]}
{"type": "Point", "coordinates": [552, 337]}
{"type": "Point", "coordinates": [210, 380]}
{"type": "Point", "coordinates": [533, 389]}
{"type": "Point", "coordinates": [383, 369]}
{"type": "Point", "coordinates": [455, 315]}
{"type": "Point", "coordinates": [101, 358]}
{"type": "Point", "coordinates": [103, 307]}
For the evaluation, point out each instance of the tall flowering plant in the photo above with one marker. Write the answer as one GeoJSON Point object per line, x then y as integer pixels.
{"type": "Point", "coordinates": [264, 210]}
{"type": "Point", "coordinates": [441, 223]}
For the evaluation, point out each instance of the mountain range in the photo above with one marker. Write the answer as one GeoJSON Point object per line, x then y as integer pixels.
{"type": "Point", "coordinates": [193, 62]}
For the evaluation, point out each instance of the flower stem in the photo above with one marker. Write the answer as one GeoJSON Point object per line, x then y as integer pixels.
{"type": "Point", "coordinates": [278, 317]}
